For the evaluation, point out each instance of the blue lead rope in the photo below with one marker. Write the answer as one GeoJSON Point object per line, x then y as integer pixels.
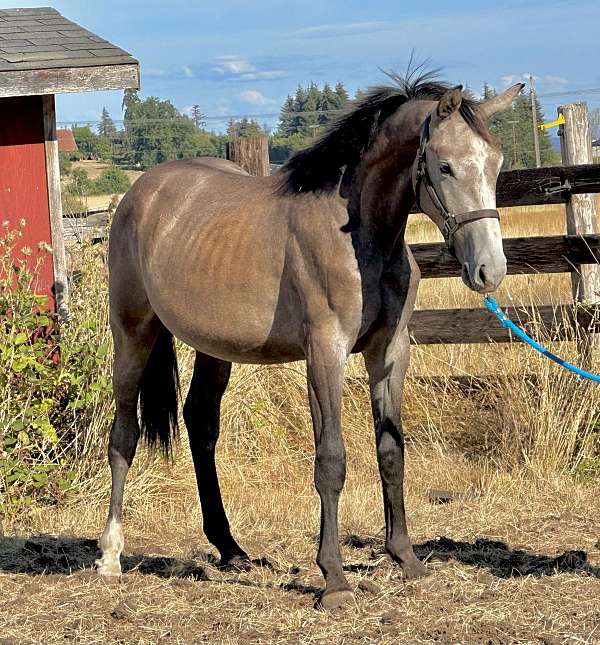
{"type": "Point", "coordinates": [506, 322]}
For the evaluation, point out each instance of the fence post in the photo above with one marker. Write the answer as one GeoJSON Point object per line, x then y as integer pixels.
{"type": "Point", "coordinates": [251, 153]}
{"type": "Point", "coordinates": [576, 149]}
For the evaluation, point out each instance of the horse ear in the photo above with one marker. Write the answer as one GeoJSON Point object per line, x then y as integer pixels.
{"type": "Point", "coordinates": [500, 102]}
{"type": "Point", "coordinates": [450, 102]}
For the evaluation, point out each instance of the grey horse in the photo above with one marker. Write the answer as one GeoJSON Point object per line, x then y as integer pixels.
{"type": "Point", "coordinates": [310, 264]}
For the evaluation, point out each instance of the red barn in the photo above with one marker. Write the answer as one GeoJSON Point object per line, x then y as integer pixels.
{"type": "Point", "coordinates": [43, 54]}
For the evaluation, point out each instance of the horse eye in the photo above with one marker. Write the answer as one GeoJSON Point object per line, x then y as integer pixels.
{"type": "Point", "coordinates": [445, 168]}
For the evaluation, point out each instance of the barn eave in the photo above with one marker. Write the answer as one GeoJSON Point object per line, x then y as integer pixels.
{"type": "Point", "coordinates": [58, 80]}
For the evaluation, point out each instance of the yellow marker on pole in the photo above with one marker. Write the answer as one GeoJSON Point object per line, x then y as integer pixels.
{"type": "Point", "coordinates": [552, 124]}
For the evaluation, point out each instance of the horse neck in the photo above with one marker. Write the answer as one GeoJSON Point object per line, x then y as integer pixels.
{"type": "Point", "coordinates": [383, 191]}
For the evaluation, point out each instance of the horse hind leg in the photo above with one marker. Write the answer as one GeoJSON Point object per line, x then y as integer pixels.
{"type": "Point", "coordinates": [201, 413]}
{"type": "Point", "coordinates": [132, 352]}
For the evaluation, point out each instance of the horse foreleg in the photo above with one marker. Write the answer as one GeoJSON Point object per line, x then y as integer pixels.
{"type": "Point", "coordinates": [325, 360]}
{"type": "Point", "coordinates": [386, 362]}
{"type": "Point", "coordinates": [202, 418]}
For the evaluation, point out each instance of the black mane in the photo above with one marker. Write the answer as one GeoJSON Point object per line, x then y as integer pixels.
{"type": "Point", "coordinates": [318, 168]}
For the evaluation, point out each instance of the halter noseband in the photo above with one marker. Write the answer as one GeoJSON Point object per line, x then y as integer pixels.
{"type": "Point", "coordinates": [452, 222]}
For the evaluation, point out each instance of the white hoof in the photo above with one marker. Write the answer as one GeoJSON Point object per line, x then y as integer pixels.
{"type": "Point", "coordinates": [108, 569]}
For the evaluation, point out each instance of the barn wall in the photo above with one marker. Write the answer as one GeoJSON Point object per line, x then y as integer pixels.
{"type": "Point", "coordinates": [23, 183]}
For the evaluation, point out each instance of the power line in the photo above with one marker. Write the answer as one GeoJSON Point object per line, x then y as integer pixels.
{"type": "Point", "coordinates": [273, 115]}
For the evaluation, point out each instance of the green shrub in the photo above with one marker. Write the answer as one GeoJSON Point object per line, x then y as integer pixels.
{"type": "Point", "coordinates": [65, 163]}
{"type": "Point", "coordinates": [57, 394]}
{"type": "Point", "coordinates": [81, 184]}
{"type": "Point", "coordinates": [111, 181]}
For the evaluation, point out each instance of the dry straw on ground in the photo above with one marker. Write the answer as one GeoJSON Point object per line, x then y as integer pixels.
{"type": "Point", "coordinates": [515, 556]}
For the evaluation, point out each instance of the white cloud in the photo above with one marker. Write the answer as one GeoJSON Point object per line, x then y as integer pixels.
{"type": "Point", "coordinates": [265, 75]}
{"type": "Point", "coordinates": [254, 97]}
{"type": "Point", "coordinates": [340, 29]}
{"type": "Point", "coordinates": [233, 65]}
{"type": "Point", "coordinates": [547, 80]}
{"type": "Point", "coordinates": [187, 70]}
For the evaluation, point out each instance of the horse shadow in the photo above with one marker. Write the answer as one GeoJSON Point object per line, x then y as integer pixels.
{"type": "Point", "coordinates": [64, 556]}
{"type": "Point", "coordinates": [45, 554]}
{"type": "Point", "coordinates": [495, 556]}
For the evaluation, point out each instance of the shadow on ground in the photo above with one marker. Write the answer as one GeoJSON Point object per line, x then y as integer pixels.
{"type": "Point", "coordinates": [44, 554]}
{"type": "Point", "coordinates": [63, 555]}
{"type": "Point", "coordinates": [495, 556]}
{"type": "Point", "coordinates": [51, 555]}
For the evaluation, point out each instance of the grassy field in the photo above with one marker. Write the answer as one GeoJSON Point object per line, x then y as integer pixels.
{"type": "Point", "coordinates": [93, 170]}
{"type": "Point", "coordinates": [515, 556]}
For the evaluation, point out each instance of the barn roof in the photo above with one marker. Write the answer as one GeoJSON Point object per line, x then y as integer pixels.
{"type": "Point", "coordinates": [66, 140]}
{"type": "Point", "coordinates": [41, 52]}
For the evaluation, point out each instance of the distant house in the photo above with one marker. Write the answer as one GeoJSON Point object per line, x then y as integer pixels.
{"type": "Point", "coordinates": [66, 141]}
{"type": "Point", "coordinates": [596, 149]}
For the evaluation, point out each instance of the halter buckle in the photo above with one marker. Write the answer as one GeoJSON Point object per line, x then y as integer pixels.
{"type": "Point", "coordinates": [450, 227]}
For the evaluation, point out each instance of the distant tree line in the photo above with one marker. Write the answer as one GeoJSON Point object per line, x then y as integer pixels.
{"type": "Point", "coordinates": [154, 130]}
{"type": "Point", "coordinates": [304, 115]}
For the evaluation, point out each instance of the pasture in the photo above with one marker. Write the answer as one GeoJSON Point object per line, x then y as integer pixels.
{"type": "Point", "coordinates": [515, 552]}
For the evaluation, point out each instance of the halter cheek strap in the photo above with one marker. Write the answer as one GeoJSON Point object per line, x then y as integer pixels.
{"type": "Point", "coordinates": [451, 222]}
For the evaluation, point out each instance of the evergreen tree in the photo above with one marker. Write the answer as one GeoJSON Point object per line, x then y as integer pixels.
{"type": "Point", "coordinates": [299, 107]}
{"type": "Point", "coordinates": [327, 104]}
{"type": "Point", "coordinates": [286, 117]}
{"type": "Point", "coordinates": [342, 95]}
{"type": "Point", "coordinates": [243, 128]}
{"type": "Point", "coordinates": [197, 117]}
{"type": "Point", "coordinates": [309, 120]}
{"type": "Point", "coordinates": [107, 126]}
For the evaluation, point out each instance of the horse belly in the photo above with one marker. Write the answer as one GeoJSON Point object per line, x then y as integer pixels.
{"type": "Point", "coordinates": [227, 296]}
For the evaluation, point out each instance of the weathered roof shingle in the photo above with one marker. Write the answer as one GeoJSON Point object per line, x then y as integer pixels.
{"type": "Point", "coordinates": [42, 38]}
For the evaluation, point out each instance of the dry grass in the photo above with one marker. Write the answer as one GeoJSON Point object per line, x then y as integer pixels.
{"type": "Point", "coordinates": [523, 456]}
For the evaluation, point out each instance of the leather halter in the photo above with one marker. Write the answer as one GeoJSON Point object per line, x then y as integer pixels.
{"type": "Point", "coordinates": [452, 222]}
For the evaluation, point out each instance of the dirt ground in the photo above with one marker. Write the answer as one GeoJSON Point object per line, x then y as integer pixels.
{"type": "Point", "coordinates": [512, 561]}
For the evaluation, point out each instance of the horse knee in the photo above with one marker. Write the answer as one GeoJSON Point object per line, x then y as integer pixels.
{"type": "Point", "coordinates": [330, 468]}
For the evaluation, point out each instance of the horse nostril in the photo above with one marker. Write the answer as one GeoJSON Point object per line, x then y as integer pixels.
{"type": "Point", "coordinates": [482, 276]}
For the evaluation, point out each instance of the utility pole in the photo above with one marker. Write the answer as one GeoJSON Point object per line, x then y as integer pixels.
{"type": "Point", "coordinates": [514, 146]}
{"type": "Point", "coordinates": [536, 140]}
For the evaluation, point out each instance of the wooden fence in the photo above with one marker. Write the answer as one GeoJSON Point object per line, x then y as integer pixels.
{"type": "Point", "coordinates": [578, 252]}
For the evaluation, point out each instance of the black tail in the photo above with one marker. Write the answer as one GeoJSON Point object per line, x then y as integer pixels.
{"type": "Point", "coordinates": [159, 393]}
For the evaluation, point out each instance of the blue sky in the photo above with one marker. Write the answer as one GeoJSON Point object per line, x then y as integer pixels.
{"type": "Point", "coordinates": [236, 57]}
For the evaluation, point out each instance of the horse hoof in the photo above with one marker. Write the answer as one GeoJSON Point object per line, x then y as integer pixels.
{"type": "Point", "coordinates": [414, 569]}
{"type": "Point", "coordinates": [236, 563]}
{"type": "Point", "coordinates": [331, 600]}
{"type": "Point", "coordinates": [109, 570]}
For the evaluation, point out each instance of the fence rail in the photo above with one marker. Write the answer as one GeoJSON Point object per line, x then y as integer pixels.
{"type": "Point", "coordinates": [524, 255]}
